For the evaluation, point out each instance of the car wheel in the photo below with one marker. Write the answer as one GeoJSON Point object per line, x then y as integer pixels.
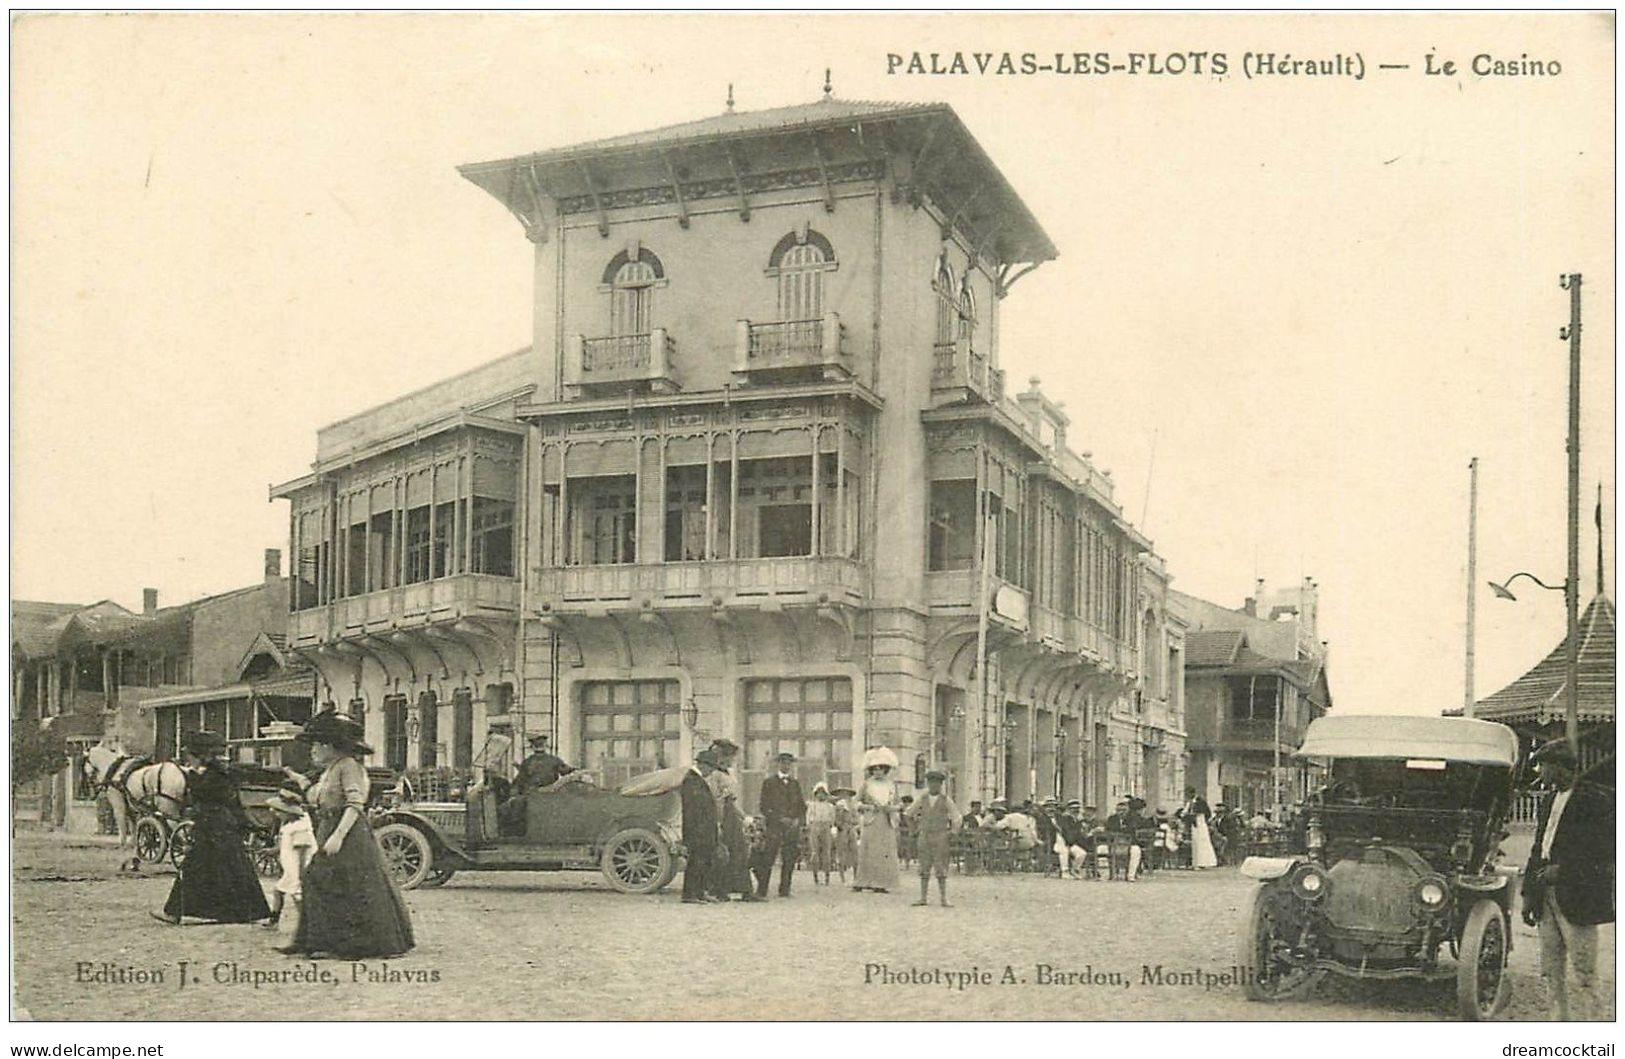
{"type": "Point", "coordinates": [1481, 972]}
{"type": "Point", "coordinates": [637, 861]}
{"type": "Point", "coordinates": [180, 842]}
{"type": "Point", "coordinates": [407, 854]}
{"type": "Point", "coordinates": [151, 839]}
{"type": "Point", "coordinates": [1265, 974]}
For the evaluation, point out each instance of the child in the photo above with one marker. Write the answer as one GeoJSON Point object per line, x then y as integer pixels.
{"type": "Point", "coordinates": [821, 832]}
{"type": "Point", "coordinates": [296, 845]}
{"type": "Point", "coordinates": [933, 819]}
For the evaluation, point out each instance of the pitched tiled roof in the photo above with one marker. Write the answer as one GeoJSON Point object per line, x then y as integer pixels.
{"type": "Point", "coordinates": [827, 111]}
{"type": "Point", "coordinates": [961, 178]}
{"type": "Point", "coordinates": [32, 623]}
{"type": "Point", "coordinates": [1540, 695]}
{"type": "Point", "coordinates": [1215, 647]}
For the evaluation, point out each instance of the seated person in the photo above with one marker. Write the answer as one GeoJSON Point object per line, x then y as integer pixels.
{"type": "Point", "coordinates": [537, 772]}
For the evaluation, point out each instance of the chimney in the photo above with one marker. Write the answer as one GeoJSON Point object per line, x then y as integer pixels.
{"type": "Point", "coordinates": [273, 564]}
{"type": "Point", "coordinates": [149, 601]}
{"type": "Point", "coordinates": [1249, 607]}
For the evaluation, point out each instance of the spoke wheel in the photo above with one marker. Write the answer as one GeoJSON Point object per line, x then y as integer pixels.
{"type": "Point", "coordinates": [1268, 928]}
{"type": "Point", "coordinates": [637, 861]}
{"type": "Point", "coordinates": [407, 854]}
{"type": "Point", "coordinates": [1481, 977]}
{"type": "Point", "coordinates": [180, 842]}
{"type": "Point", "coordinates": [267, 864]}
{"type": "Point", "coordinates": [151, 840]}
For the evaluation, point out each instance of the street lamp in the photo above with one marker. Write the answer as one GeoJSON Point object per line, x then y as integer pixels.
{"type": "Point", "coordinates": [1571, 584]}
{"type": "Point", "coordinates": [1504, 591]}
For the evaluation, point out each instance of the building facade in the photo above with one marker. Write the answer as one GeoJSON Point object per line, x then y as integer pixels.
{"type": "Point", "coordinates": [91, 673]}
{"type": "Point", "coordinates": [1254, 679]}
{"type": "Point", "coordinates": [758, 475]}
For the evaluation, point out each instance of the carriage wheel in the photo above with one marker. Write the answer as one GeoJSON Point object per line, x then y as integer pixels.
{"type": "Point", "coordinates": [407, 854]}
{"type": "Point", "coordinates": [151, 840]}
{"type": "Point", "coordinates": [267, 864]}
{"type": "Point", "coordinates": [180, 842]}
{"type": "Point", "coordinates": [637, 861]}
{"type": "Point", "coordinates": [1481, 972]}
{"type": "Point", "coordinates": [1266, 975]}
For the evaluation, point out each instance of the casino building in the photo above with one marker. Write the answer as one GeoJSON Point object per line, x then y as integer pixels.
{"type": "Point", "coordinates": [760, 474]}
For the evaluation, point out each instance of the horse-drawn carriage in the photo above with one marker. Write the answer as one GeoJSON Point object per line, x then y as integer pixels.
{"type": "Point", "coordinates": [149, 804]}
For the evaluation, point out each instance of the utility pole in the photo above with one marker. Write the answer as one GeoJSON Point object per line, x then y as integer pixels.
{"type": "Point", "coordinates": [1571, 587]}
{"type": "Point", "coordinates": [985, 562]}
{"type": "Point", "coordinates": [1472, 581]}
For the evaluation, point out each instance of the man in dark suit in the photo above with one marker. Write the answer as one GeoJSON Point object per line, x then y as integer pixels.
{"type": "Point", "coordinates": [1568, 885]}
{"type": "Point", "coordinates": [700, 827]}
{"type": "Point", "coordinates": [784, 811]}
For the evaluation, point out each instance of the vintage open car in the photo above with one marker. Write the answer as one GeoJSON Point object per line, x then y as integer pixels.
{"type": "Point", "coordinates": [1400, 863]}
{"type": "Point", "coordinates": [574, 825]}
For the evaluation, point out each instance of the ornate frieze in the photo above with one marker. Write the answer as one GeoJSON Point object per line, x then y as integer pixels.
{"type": "Point", "coordinates": [667, 194]}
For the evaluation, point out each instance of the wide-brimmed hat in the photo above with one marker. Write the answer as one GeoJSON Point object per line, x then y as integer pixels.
{"type": "Point", "coordinates": [335, 730]}
{"type": "Point", "coordinates": [879, 756]}
{"type": "Point", "coordinates": [820, 787]}
{"type": "Point", "coordinates": [842, 792]}
{"type": "Point", "coordinates": [723, 746]}
{"type": "Point", "coordinates": [204, 743]}
{"type": "Point", "coordinates": [288, 798]}
{"type": "Point", "coordinates": [1554, 751]}
{"type": "Point", "coordinates": [537, 737]}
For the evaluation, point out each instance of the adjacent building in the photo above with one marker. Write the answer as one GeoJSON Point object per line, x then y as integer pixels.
{"type": "Point", "coordinates": [1254, 679]}
{"type": "Point", "coordinates": [104, 674]}
{"type": "Point", "coordinates": [759, 474]}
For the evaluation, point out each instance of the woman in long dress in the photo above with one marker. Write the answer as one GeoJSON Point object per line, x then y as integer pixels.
{"type": "Point", "coordinates": [352, 908]}
{"type": "Point", "coordinates": [217, 881]}
{"type": "Point", "coordinates": [1197, 812]}
{"type": "Point", "coordinates": [878, 809]}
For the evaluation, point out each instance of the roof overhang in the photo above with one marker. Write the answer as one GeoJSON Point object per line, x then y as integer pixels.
{"type": "Point", "coordinates": [925, 144]}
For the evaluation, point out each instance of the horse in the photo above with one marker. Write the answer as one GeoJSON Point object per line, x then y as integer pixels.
{"type": "Point", "coordinates": [157, 787]}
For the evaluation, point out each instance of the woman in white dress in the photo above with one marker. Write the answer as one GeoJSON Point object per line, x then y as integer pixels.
{"type": "Point", "coordinates": [878, 809]}
{"type": "Point", "coordinates": [1197, 812]}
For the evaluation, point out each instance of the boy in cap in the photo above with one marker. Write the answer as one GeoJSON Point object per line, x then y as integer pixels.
{"type": "Point", "coordinates": [295, 846]}
{"type": "Point", "coordinates": [933, 819]}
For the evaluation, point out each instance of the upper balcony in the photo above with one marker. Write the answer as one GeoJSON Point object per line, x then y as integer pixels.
{"type": "Point", "coordinates": [767, 583]}
{"type": "Point", "coordinates": [953, 593]}
{"type": "Point", "coordinates": [960, 373]}
{"type": "Point", "coordinates": [767, 352]}
{"type": "Point", "coordinates": [621, 361]}
{"type": "Point", "coordinates": [446, 599]}
{"type": "Point", "coordinates": [1259, 734]}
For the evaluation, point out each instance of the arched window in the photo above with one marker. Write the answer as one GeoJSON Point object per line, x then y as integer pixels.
{"type": "Point", "coordinates": [631, 282]}
{"type": "Point", "coordinates": [799, 261]}
{"type": "Point", "coordinates": [947, 306]}
{"type": "Point", "coordinates": [967, 311]}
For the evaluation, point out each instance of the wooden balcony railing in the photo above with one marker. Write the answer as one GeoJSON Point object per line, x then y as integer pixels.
{"type": "Point", "coordinates": [743, 582]}
{"type": "Point", "coordinates": [621, 359]}
{"type": "Point", "coordinates": [819, 345]}
{"type": "Point", "coordinates": [444, 599]}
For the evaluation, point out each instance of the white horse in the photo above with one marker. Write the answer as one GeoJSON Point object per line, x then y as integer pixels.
{"type": "Point", "coordinates": [137, 783]}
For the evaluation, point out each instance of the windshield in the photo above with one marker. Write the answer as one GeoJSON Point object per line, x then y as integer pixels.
{"type": "Point", "coordinates": [1416, 784]}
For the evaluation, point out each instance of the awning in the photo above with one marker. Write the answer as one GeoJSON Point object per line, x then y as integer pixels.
{"type": "Point", "coordinates": [301, 686]}
{"type": "Point", "coordinates": [1385, 736]}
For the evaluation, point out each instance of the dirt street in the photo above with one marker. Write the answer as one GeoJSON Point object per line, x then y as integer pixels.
{"type": "Point", "coordinates": [565, 946]}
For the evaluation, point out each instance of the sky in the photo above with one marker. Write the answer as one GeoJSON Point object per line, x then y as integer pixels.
{"type": "Point", "coordinates": [1286, 314]}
